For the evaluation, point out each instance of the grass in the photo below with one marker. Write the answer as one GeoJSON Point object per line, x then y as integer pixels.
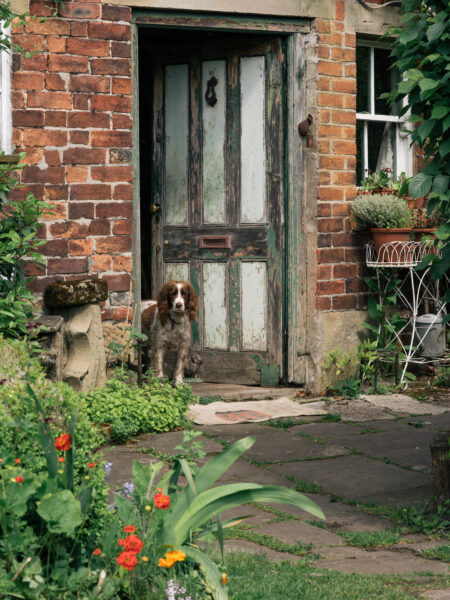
{"type": "Point", "coordinates": [371, 539]}
{"type": "Point", "coordinates": [254, 577]}
{"type": "Point", "coordinates": [280, 515]}
{"type": "Point", "coordinates": [318, 440]}
{"type": "Point", "coordinates": [210, 399]}
{"type": "Point", "coordinates": [285, 423]}
{"type": "Point", "coordinates": [305, 486]}
{"type": "Point", "coordinates": [244, 532]}
{"type": "Point", "coordinates": [334, 418]}
{"type": "Point", "coordinates": [315, 523]}
{"type": "Point", "coordinates": [442, 553]}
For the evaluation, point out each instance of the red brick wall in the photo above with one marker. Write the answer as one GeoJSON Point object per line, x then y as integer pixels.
{"type": "Point", "coordinates": [340, 252]}
{"type": "Point", "coordinates": [72, 116]}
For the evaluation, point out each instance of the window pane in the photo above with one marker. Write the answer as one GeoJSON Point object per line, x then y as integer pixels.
{"type": "Point", "coordinates": [362, 79]}
{"type": "Point", "coordinates": [384, 79]}
{"type": "Point", "coordinates": [381, 138]}
{"type": "Point", "coordinates": [360, 175]}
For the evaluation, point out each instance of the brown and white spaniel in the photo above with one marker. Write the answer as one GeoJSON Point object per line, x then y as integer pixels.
{"type": "Point", "coordinates": [167, 323]}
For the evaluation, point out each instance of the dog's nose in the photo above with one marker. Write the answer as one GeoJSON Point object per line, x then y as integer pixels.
{"type": "Point", "coordinates": [178, 305]}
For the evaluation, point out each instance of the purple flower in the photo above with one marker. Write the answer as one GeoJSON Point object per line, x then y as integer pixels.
{"type": "Point", "coordinates": [128, 488]}
{"type": "Point", "coordinates": [107, 466]}
{"type": "Point", "coordinates": [2, 381]}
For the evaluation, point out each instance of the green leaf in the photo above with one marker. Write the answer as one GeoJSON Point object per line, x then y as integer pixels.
{"type": "Point", "coordinates": [444, 148]}
{"type": "Point", "coordinates": [420, 185]}
{"type": "Point", "coordinates": [427, 84]}
{"type": "Point", "coordinates": [436, 30]}
{"type": "Point", "coordinates": [440, 184]}
{"type": "Point", "coordinates": [125, 510]}
{"type": "Point", "coordinates": [439, 111]}
{"type": "Point", "coordinates": [212, 502]}
{"type": "Point", "coordinates": [61, 511]}
{"type": "Point", "coordinates": [18, 494]}
{"type": "Point", "coordinates": [373, 310]}
{"type": "Point", "coordinates": [425, 129]}
{"type": "Point", "coordinates": [188, 474]}
{"type": "Point", "coordinates": [208, 568]}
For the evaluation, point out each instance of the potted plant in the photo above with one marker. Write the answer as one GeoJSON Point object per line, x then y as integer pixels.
{"type": "Point", "coordinates": [388, 218]}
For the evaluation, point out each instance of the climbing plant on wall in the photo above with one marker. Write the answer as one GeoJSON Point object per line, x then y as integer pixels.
{"type": "Point", "coordinates": [421, 50]}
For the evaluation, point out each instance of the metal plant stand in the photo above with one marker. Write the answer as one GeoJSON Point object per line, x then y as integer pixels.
{"type": "Point", "coordinates": [416, 293]}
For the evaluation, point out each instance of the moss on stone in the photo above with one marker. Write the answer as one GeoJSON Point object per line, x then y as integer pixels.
{"type": "Point", "coordinates": [75, 293]}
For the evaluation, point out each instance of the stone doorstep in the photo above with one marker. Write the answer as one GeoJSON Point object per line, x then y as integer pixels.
{"type": "Point", "coordinates": [233, 392]}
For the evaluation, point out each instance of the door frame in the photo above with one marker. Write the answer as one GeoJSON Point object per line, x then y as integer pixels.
{"type": "Point", "coordinates": [295, 268]}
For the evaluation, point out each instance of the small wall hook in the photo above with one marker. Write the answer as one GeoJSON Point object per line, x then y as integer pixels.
{"type": "Point", "coordinates": [303, 126]}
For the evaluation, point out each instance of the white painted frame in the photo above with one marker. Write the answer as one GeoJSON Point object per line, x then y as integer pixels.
{"type": "Point", "coordinates": [5, 99]}
{"type": "Point", "coordinates": [403, 152]}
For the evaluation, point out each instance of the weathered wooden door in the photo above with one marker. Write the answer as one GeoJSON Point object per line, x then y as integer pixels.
{"type": "Point", "coordinates": [217, 171]}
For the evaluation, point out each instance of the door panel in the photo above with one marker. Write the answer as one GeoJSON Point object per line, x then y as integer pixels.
{"type": "Point", "coordinates": [216, 172]}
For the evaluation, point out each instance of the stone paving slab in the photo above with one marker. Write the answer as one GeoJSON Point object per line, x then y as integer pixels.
{"type": "Point", "coordinates": [165, 442]}
{"type": "Point", "coordinates": [232, 391]}
{"type": "Point", "coordinates": [437, 594]}
{"type": "Point", "coordinates": [340, 516]}
{"type": "Point", "coordinates": [399, 403]}
{"type": "Point", "coordinates": [241, 471]}
{"type": "Point", "coordinates": [402, 446]}
{"type": "Point", "coordinates": [361, 478]}
{"type": "Point", "coordinates": [245, 546]}
{"type": "Point", "coordinates": [440, 422]}
{"type": "Point", "coordinates": [295, 531]}
{"type": "Point", "coordinates": [357, 560]}
{"type": "Point", "coordinates": [358, 411]}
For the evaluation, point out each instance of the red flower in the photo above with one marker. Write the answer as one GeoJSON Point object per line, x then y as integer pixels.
{"type": "Point", "coordinates": [97, 551]}
{"type": "Point", "coordinates": [91, 465]}
{"type": "Point", "coordinates": [63, 442]}
{"type": "Point", "coordinates": [61, 458]}
{"type": "Point", "coordinates": [161, 501]}
{"type": "Point", "coordinates": [133, 544]}
{"type": "Point", "coordinates": [121, 542]}
{"type": "Point", "coordinates": [19, 478]}
{"type": "Point", "coordinates": [129, 529]}
{"type": "Point", "coordinates": [128, 560]}
{"type": "Point", "coordinates": [17, 461]}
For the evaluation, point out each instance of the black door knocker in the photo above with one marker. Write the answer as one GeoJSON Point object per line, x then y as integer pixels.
{"type": "Point", "coordinates": [210, 94]}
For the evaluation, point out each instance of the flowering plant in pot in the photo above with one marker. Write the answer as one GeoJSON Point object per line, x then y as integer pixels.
{"type": "Point", "coordinates": [387, 216]}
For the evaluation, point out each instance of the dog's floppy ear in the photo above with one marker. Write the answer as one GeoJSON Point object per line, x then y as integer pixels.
{"type": "Point", "coordinates": [192, 302]}
{"type": "Point", "coordinates": [163, 302]}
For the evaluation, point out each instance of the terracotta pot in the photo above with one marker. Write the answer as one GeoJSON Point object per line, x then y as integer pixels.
{"type": "Point", "coordinates": [386, 191]}
{"type": "Point", "coordinates": [429, 231]}
{"type": "Point", "coordinates": [410, 201]}
{"type": "Point", "coordinates": [392, 253]}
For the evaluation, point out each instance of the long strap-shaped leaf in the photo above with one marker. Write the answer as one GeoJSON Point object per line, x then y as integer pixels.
{"type": "Point", "coordinates": [212, 574]}
{"type": "Point", "coordinates": [209, 474]}
{"type": "Point", "coordinates": [212, 502]}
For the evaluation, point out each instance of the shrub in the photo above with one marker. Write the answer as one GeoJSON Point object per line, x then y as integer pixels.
{"type": "Point", "coordinates": [19, 426]}
{"type": "Point", "coordinates": [19, 224]}
{"type": "Point", "coordinates": [381, 210]}
{"type": "Point", "coordinates": [129, 409]}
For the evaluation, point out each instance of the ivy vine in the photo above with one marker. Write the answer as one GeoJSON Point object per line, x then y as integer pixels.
{"type": "Point", "coordinates": [421, 50]}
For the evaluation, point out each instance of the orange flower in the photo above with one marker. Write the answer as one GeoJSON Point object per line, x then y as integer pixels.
{"type": "Point", "coordinates": [133, 544]}
{"type": "Point", "coordinates": [161, 501]}
{"type": "Point", "coordinates": [63, 442]}
{"type": "Point", "coordinates": [19, 478]}
{"type": "Point", "coordinates": [224, 579]}
{"type": "Point", "coordinates": [171, 558]}
{"type": "Point", "coordinates": [91, 465]}
{"type": "Point", "coordinates": [97, 551]}
{"type": "Point", "coordinates": [61, 458]}
{"type": "Point", "coordinates": [129, 529]}
{"type": "Point", "coordinates": [121, 542]}
{"type": "Point", "coordinates": [17, 461]}
{"type": "Point", "coordinates": [128, 560]}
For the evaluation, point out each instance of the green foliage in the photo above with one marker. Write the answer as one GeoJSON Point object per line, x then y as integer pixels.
{"type": "Point", "coordinates": [423, 519]}
{"type": "Point", "coordinates": [421, 51]}
{"type": "Point", "coordinates": [119, 351]}
{"type": "Point", "coordinates": [23, 378]}
{"type": "Point", "coordinates": [19, 225]}
{"type": "Point", "coordinates": [442, 377]}
{"type": "Point", "coordinates": [129, 409]}
{"type": "Point", "coordinates": [371, 539]}
{"type": "Point", "coordinates": [331, 417]}
{"type": "Point", "coordinates": [381, 211]}
{"type": "Point", "coordinates": [440, 553]}
{"type": "Point", "coordinates": [256, 577]}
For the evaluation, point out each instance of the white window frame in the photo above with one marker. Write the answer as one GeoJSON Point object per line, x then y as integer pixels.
{"type": "Point", "coordinates": [404, 154]}
{"type": "Point", "coordinates": [5, 99]}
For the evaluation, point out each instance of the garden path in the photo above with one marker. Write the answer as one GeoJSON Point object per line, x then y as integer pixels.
{"type": "Point", "coordinates": [377, 455]}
